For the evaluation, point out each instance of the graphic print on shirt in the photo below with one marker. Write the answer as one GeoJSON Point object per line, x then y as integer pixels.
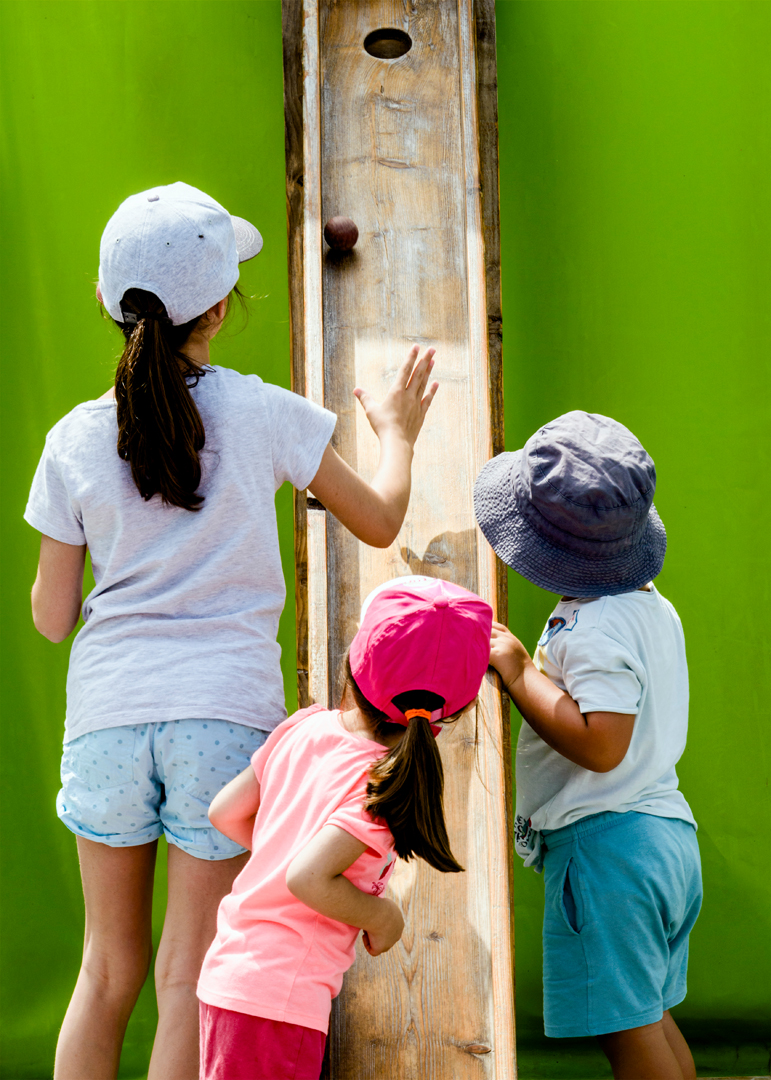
{"type": "Point", "coordinates": [557, 623]}
{"type": "Point", "coordinates": [524, 838]}
{"type": "Point", "coordinates": [378, 887]}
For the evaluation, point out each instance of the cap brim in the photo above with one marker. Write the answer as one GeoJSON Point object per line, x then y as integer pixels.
{"type": "Point", "coordinates": [516, 542]}
{"type": "Point", "coordinates": [248, 239]}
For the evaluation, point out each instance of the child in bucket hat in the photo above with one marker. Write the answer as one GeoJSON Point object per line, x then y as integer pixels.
{"type": "Point", "coordinates": [326, 804]}
{"type": "Point", "coordinates": [604, 702]}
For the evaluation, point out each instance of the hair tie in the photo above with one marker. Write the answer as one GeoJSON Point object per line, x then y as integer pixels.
{"type": "Point", "coordinates": [131, 318]}
{"type": "Point", "coordinates": [409, 713]}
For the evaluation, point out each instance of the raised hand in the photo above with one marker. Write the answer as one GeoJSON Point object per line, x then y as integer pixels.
{"type": "Point", "coordinates": [374, 510]}
{"type": "Point", "coordinates": [403, 409]}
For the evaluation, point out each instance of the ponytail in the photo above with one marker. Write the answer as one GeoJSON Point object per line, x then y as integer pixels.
{"type": "Point", "coordinates": [406, 786]}
{"type": "Point", "coordinates": [160, 431]}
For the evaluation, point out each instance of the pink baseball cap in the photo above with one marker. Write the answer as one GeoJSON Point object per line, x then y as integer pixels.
{"type": "Point", "coordinates": [421, 633]}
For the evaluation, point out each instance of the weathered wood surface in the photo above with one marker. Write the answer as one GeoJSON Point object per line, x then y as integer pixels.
{"type": "Point", "coordinates": [292, 20]}
{"type": "Point", "coordinates": [395, 144]}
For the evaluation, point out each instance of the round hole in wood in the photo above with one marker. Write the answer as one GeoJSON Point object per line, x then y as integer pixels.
{"type": "Point", "coordinates": [387, 43]}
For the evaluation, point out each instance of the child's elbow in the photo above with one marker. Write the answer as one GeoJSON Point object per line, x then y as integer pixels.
{"type": "Point", "coordinates": [54, 621]}
{"type": "Point", "coordinates": [383, 538]}
{"type": "Point", "coordinates": [216, 815]}
{"type": "Point", "coordinates": [302, 881]}
{"type": "Point", "coordinates": [380, 530]}
{"type": "Point", "coordinates": [606, 762]}
{"type": "Point", "coordinates": [295, 880]}
{"type": "Point", "coordinates": [601, 767]}
{"type": "Point", "coordinates": [52, 629]}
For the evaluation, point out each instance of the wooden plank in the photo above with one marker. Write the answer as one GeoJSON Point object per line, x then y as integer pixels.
{"type": "Point", "coordinates": [314, 345]}
{"type": "Point", "coordinates": [399, 152]}
{"type": "Point", "coordinates": [487, 127]}
{"type": "Point", "coordinates": [291, 17]}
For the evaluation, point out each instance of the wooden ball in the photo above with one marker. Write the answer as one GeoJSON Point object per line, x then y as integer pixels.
{"type": "Point", "coordinates": [341, 233]}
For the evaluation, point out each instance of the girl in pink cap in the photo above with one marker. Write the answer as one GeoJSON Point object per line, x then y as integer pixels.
{"type": "Point", "coordinates": [325, 805]}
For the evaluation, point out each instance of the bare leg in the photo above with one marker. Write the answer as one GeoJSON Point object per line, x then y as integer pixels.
{"type": "Point", "coordinates": [642, 1053]}
{"type": "Point", "coordinates": [118, 892]}
{"type": "Point", "coordinates": [679, 1047]}
{"type": "Point", "coordinates": [196, 887]}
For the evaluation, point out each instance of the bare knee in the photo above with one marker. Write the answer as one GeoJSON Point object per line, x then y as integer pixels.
{"type": "Point", "coordinates": [177, 972]}
{"type": "Point", "coordinates": [116, 974]}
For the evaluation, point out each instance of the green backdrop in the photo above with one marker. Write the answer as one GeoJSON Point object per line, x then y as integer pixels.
{"type": "Point", "coordinates": [634, 142]}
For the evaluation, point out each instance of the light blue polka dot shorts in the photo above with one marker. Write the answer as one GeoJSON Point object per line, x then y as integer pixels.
{"type": "Point", "coordinates": [125, 786]}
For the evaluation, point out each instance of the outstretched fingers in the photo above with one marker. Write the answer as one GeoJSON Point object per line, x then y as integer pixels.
{"type": "Point", "coordinates": [429, 397]}
{"type": "Point", "coordinates": [404, 374]}
{"type": "Point", "coordinates": [421, 371]}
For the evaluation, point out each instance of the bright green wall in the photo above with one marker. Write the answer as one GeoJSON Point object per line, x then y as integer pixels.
{"type": "Point", "coordinates": [101, 99]}
{"type": "Point", "coordinates": [635, 225]}
{"type": "Point", "coordinates": [635, 163]}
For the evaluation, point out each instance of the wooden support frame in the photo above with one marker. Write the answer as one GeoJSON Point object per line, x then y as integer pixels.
{"type": "Point", "coordinates": [408, 148]}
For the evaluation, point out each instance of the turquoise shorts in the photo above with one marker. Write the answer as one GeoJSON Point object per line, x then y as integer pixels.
{"type": "Point", "coordinates": [622, 894]}
{"type": "Point", "coordinates": [125, 786]}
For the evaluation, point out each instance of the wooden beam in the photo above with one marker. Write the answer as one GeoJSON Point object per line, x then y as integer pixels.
{"type": "Point", "coordinates": [407, 147]}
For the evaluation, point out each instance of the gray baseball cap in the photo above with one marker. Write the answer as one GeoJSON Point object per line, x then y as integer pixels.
{"type": "Point", "coordinates": [178, 243]}
{"type": "Point", "coordinates": [572, 511]}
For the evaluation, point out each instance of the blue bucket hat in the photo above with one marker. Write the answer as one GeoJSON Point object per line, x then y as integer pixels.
{"type": "Point", "coordinates": [572, 511]}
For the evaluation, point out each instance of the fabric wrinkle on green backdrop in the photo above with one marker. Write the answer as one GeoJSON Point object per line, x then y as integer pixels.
{"type": "Point", "coordinates": [634, 156]}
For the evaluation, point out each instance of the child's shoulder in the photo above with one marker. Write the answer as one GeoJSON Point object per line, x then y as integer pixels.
{"type": "Point", "coordinates": [281, 736]}
{"type": "Point", "coordinates": [641, 608]}
{"type": "Point", "coordinates": [619, 618]}
{"type": "Point", "coordinates": [240, 390]}
{"type": "Point", "coordinates": [302, 716]}
{"type": "Point", "coordinates": [86, 419]}
{"type": "Point", "coordinates": [220, 387]}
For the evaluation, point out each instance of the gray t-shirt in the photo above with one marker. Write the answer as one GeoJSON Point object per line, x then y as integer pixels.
{"type": "Point", "coordinates": [618, 654]}
{"type": "Point", "coordinates": [182, 620]}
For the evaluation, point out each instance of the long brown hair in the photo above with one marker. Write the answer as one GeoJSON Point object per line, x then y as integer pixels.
{"type": "Point", "coordinates": [160, 431]}
{"type": "Point", "coordinates": [406, 786]}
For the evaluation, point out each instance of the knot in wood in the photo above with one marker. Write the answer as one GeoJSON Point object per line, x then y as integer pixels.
{"type": "Point", "coordinates": [477, 1048]}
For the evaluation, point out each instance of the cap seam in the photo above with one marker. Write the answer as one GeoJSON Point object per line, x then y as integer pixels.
{"type": "Point", "coordinates": [440, 636]}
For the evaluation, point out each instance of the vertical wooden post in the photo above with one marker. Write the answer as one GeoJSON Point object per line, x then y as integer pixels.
{"type": "Point", "coordinates": [407, 147]}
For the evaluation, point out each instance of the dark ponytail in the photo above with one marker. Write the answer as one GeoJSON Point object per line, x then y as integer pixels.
{"type": "Point", "coordinates": [406, 785]}
{"type": "Point", "coordinates": [160, 431]}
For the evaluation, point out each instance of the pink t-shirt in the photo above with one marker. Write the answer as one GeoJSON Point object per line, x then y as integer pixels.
{"type": "Point", "coordinates": [272, 955]}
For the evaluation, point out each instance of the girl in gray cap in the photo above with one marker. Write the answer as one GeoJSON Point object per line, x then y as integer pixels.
{"type": "Point", "coordinates": [605, 707]}
{"type": "Point", "coordinates": [174, 679]}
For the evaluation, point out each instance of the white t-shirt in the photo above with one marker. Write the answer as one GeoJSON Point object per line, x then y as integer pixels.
{"type": "Point", "coordinates": [621, 654]}
{"type": "Point", "coordinates": [182, 620]}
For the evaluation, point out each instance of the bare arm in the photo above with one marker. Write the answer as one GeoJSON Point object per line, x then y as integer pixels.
{"type": "Point", "coordinates": [597, 741]}
{"type": "Point", "coordinates": [234, 808]}
{"type": "Point", "coordinates": [58, 590]}
{"type": "Point", "coordinates": [315, 877]}
{"type": "Point", "coordinates": [374, 511]}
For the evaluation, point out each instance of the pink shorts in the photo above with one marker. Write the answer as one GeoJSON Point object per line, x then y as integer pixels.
{"type": "Point", "coordinates": [236, 1046]}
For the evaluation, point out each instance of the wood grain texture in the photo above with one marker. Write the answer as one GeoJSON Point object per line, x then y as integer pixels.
{"type": "Point", "coordinates": [313, 347]}
{"type": "Point", "coordinates": [291, 18]}
{"type": "Point", "coordinates": [487, 113]}
{"type": "Point", "coordinates": [403, 150]}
